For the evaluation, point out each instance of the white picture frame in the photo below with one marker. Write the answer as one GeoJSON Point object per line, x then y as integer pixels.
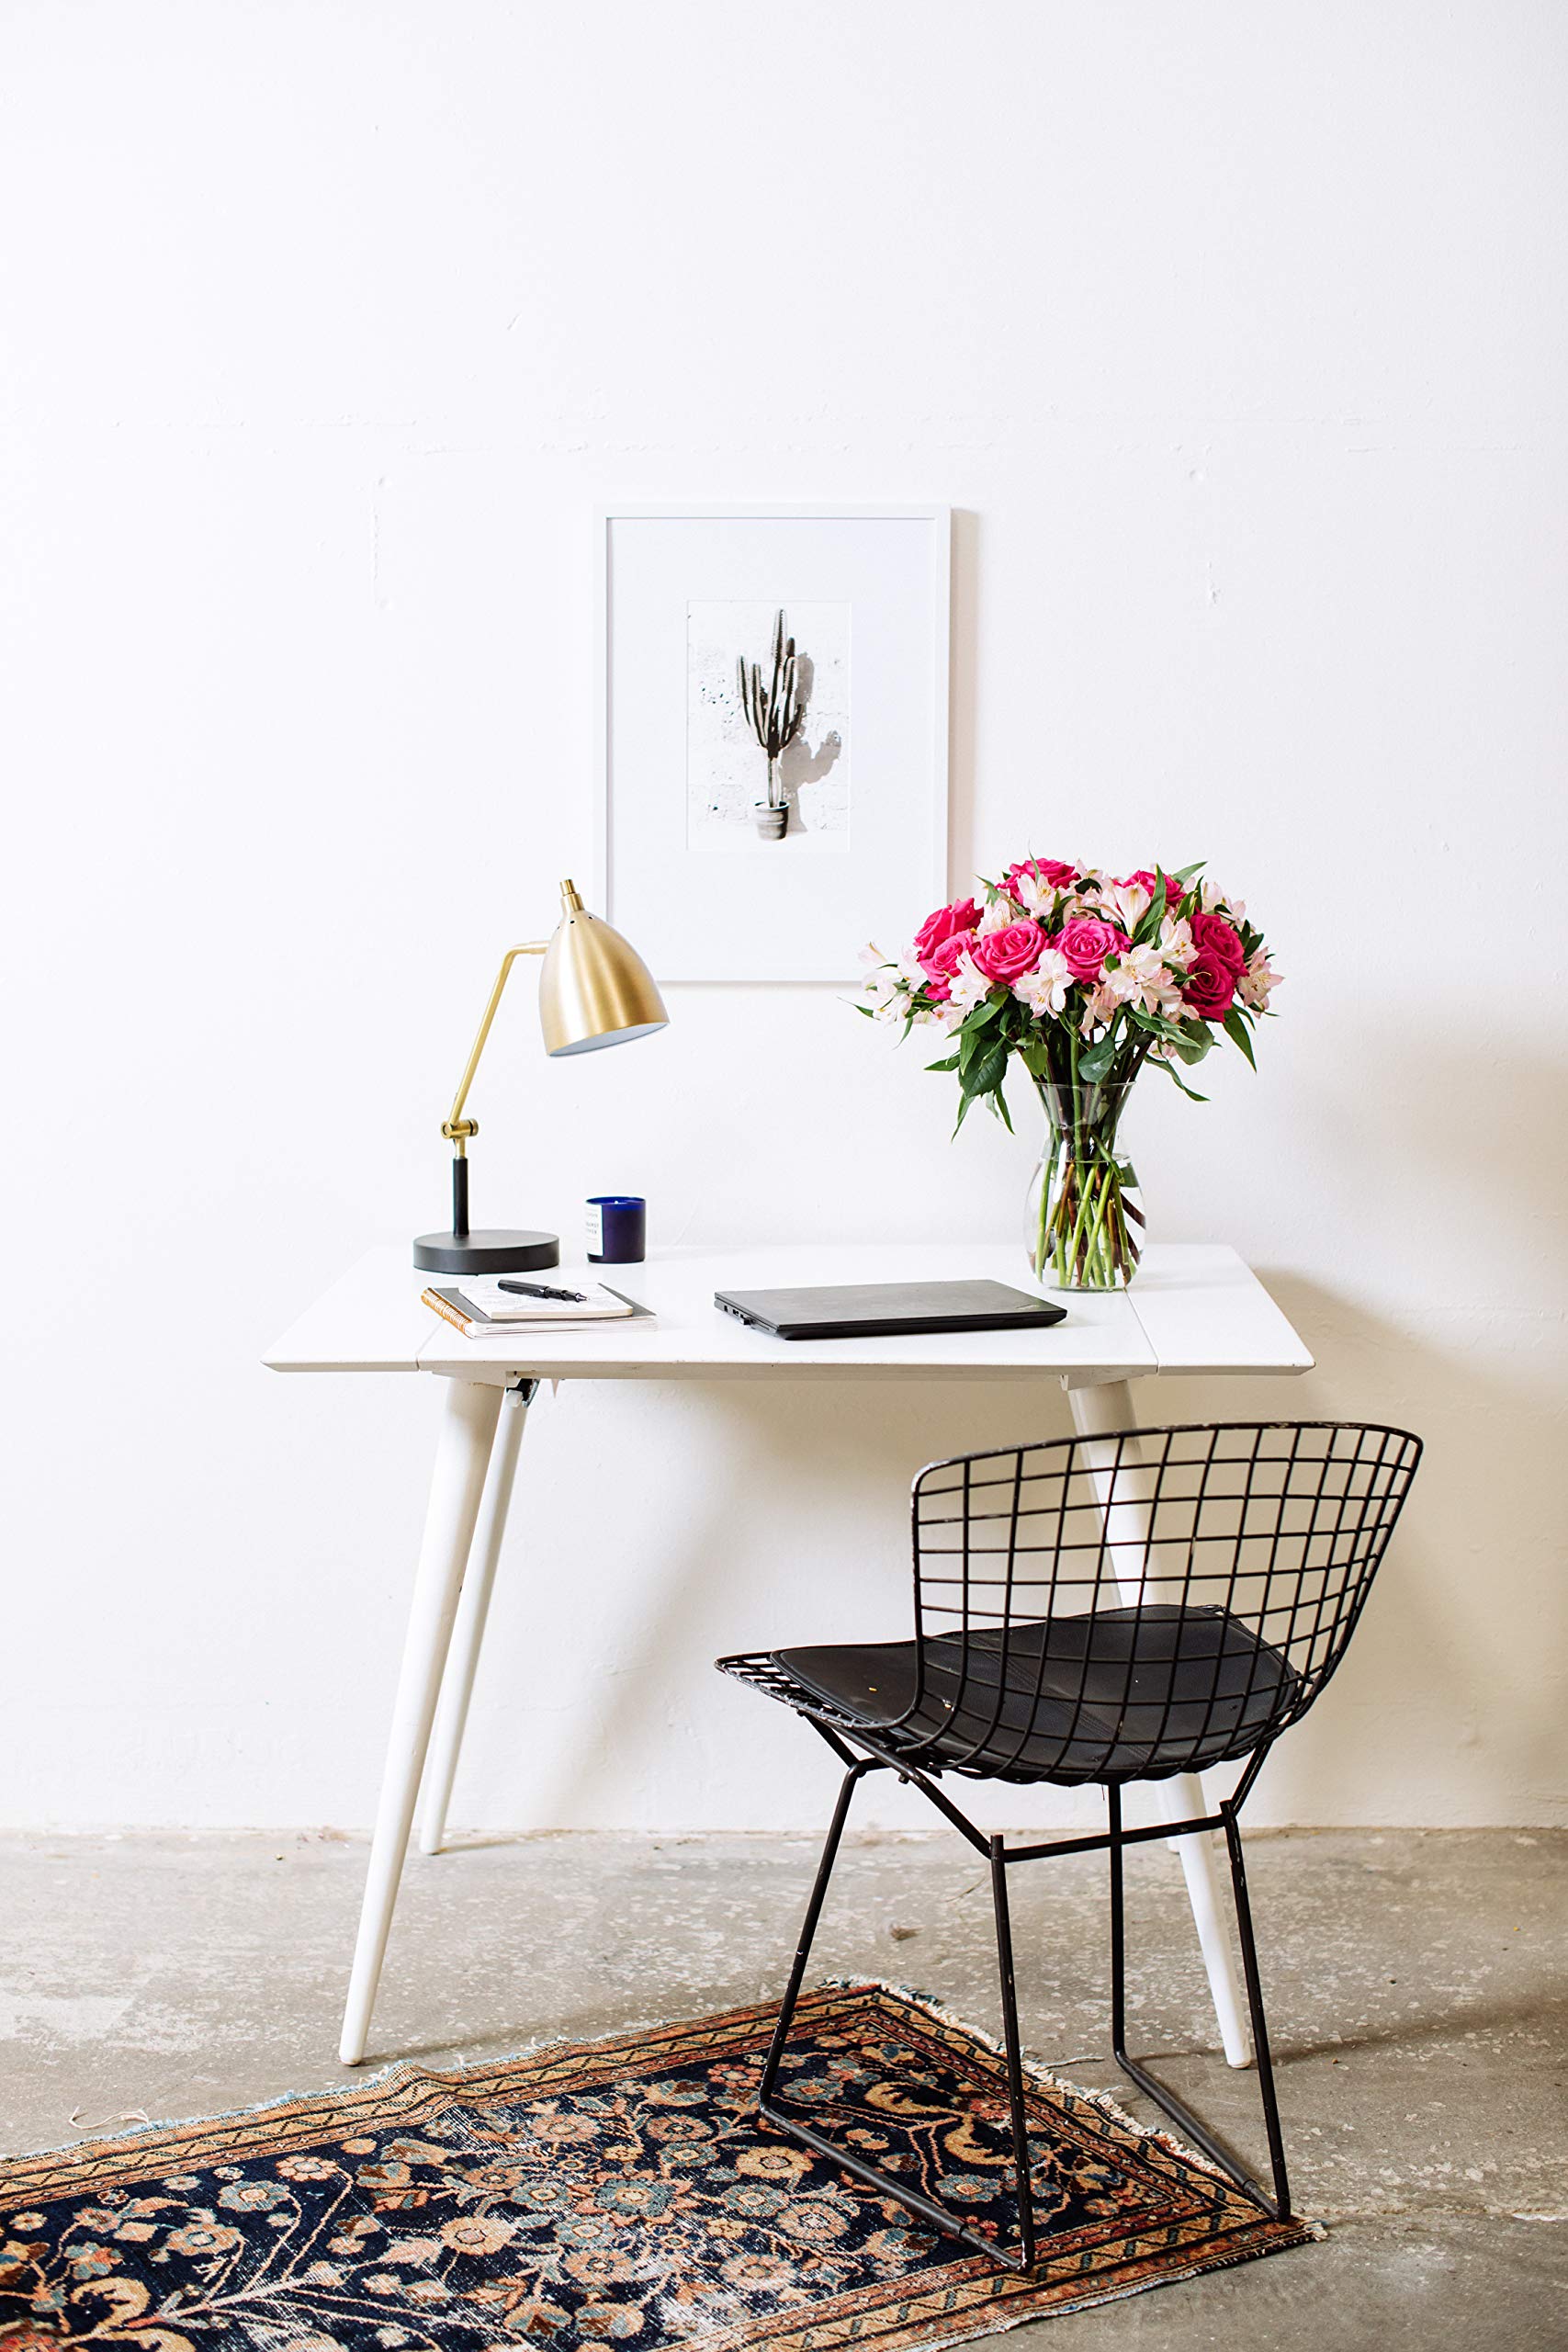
{"type": "Point", "coordinates": [690, 864]}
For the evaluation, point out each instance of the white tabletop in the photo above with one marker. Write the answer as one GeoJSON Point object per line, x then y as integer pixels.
{"type": "Point", "coordinates": [1193, 1308]}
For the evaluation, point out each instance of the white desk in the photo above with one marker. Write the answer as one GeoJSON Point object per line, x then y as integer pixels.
{"type": "Point", "coordinates": [1193, 1309]}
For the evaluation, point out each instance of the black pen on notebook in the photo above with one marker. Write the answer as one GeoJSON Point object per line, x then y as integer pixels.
{"type": "Point", "coordinates": [538, 1290]}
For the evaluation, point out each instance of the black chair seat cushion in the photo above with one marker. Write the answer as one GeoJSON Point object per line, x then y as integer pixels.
{"type": "Point", "coordinates": [1120, 1693]}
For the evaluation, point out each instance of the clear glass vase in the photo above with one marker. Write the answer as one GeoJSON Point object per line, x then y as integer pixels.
{"type": "Point", "coordinates": [1084, 1214]}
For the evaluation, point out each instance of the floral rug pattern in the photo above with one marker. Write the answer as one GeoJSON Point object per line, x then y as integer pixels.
{"type": "Point", "coordinates": [619, 2192]}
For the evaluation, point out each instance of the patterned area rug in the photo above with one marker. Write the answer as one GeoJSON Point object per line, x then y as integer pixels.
{"type": "Point", "coordinates": [616, 2192]}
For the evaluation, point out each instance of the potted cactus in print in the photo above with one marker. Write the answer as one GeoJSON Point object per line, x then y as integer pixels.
{"type": "Point", "coordinates": [773, 713]}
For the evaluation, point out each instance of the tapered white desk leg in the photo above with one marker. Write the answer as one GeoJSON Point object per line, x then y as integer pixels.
{"type": "Point", "coordinates": [1099, 1412]}
{"type": "Point", "coordinates": [462, 1454]}
{"type": "Point", "coordinates": [468, 1632]}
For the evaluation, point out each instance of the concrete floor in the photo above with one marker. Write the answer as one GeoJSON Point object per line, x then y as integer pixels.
{"type": "Point", "coordinates": [1415, 1982]}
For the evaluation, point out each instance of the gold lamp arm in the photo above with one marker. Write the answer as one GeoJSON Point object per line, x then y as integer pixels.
{"type": "Point", "coordinates": [455, 1127]}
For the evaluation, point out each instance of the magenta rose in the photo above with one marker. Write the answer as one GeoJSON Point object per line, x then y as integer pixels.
{"type": "Point", "coordinates": [948, 922]}
{"type": "Point", "coordinates": [1224, 942]}
{"type": "Point", "coordinates": [1142, 880]}
{"type": "Point", "coordinates": [940, 965]}
{"type": "Point", "coordinates": [1006, 955]}
{"type": "Point", "coordinates": [1054, 872]}
{"type": "Point", "coordinates": [1208, 986]}
{"type": "Point", "coordinates": [1086, 942]}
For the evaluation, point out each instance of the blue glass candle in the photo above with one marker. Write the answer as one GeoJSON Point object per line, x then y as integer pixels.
{"type": "Point", "coordinates": [618, 1229]}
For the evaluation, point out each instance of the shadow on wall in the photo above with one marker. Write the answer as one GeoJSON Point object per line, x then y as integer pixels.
{"type": "Point", "coordinates": [1464, 1643]}
{"type": "Point", "coordinates": [807, 1487]}
{"type": "Point", "coordinates": [1462, 1650]}
{"type": "Point", "coordinates": [962, 664]}
{"type": "Point", "coordinates": [798, 763]}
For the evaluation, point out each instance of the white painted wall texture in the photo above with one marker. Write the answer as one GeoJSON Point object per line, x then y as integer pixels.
{"type": "Point", "coordinates": [1236, 335]}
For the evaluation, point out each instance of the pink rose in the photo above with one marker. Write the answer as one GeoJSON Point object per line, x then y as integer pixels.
{"type": "Point", "coordinates": [1007, 954]}
{"type": "Point", "coordinates": [940, 965]}
{"type": "Point", "coordinates": [1142, 880]}
{"type": "Point", "coordinates": [1222, 942]}
{"type": "Point", "coordinates": [1086, 942]}
{"type": "Point", "coordinates": [1208, 985]}
{"type": "Point", "coordinates": [1054, 872]}
{"type": "Point", "coordinates": [948, 922]}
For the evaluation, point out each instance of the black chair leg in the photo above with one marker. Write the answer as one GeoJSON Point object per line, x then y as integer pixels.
{"type": "Point", "coordinates": [1014, 2055]}
{"type": "Point", "coordinates": [1277, 2207]}
{"type": "Point", "coordinates": [926, 2209]}
{"type": "Point", "coordinates": [1260, 2020]}
{"type": "Point", "coordinates": [1117, 1935]}
{"type": "Point", "coordinates": [809, 1933]}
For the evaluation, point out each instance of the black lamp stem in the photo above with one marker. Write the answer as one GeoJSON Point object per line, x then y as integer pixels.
{"type": "Point", "coordinates": [460, 1194]}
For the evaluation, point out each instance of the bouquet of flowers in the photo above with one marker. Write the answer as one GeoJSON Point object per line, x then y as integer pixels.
{"type": "Point", "coordinates": [1084, 978]}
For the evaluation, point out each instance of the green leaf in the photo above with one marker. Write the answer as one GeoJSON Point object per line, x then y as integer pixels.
{"type": "Point", "coordinates": [1098, 1060]}
{"type": "Point", "coordinates": [1147, 929]}
{"type": "Point", "coordinates": [1184, 874]}
{"type": "Point", "coordinates": [1157, 1025]}
{"type": "Point", "coordinates": [1197, 1039]}
{"type": "Point", "coordinates": [950, 1063]}
{"type": "Point", "coordinates": [868, 1010]}
{"type": "Point", "coordinates": [1235, 1030]}
{"type": "Point", "coordinates": [984, 1074]}
{"type": "Point", "coordinates": [980, 1015]}
{"type": "Point", "coordinates": [999, 1105]}
{"type": "Point", "coordinates": [1169, 1069]}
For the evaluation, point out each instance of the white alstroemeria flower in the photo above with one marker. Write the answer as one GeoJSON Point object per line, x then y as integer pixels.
{"type": "Point", "coordinates": [999, 914]}
{"type": "Point", "coordinates": [882, 988]}
{"type": "Point", "coordinates": [1035, 897]}
{"type": "Point", "coordinates": [1044, 990]}
{"type": "Point", "coordinates": [1125, 904]}
{"type": "Point", "coordinates": [1176, 942]}
{"type": "Point", "coordinates": [1256, 982]}
{"type": "Point", "coordinates": [968, 985]}
{"type": "Point", "coordinates": [1103, 1005]}
{"type": "Point", "coordinates": [1216, 902]}
{"type": "Point", "coordinates": [1141, 977]}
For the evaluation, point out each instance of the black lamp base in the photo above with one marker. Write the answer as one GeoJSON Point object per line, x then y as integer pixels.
{"type": "Point", "coordinates": [495, 1251]}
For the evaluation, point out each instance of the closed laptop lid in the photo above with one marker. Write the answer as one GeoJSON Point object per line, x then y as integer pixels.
{"type": "Point", "coordinates": [850, 1310]}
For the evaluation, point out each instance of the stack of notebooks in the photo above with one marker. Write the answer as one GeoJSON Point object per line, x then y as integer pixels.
{"type": "Point", "coordinates": [479, 1306]}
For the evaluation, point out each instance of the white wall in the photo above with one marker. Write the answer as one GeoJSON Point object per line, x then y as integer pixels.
{"type": "Point", "coordinates": [1235, 334]}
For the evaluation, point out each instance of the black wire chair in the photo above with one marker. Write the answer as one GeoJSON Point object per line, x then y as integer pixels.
{"type": "Point", "coordinates": [1101, 1610]}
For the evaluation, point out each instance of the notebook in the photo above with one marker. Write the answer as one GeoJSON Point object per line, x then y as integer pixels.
{"type": "Point", "coordinates": [478, 1304]}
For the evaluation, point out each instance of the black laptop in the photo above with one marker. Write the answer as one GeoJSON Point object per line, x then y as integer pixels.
{"type": "Point", "coordinates": [879, 1310]}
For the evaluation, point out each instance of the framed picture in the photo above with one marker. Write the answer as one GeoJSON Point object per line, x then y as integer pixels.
{"type": "Point", "coordinates": [773, 745]}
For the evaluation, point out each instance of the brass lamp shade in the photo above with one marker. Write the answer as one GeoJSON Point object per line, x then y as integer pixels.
{"type": "Point", "coordinates": [594, 989]}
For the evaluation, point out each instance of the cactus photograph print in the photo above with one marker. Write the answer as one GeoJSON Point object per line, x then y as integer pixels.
{"type": "Point", "coordinates": [768, 725]}
{"type": "Point", "coordinates": [771, 732]}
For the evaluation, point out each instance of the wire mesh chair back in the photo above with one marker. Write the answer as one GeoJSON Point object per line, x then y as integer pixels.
{"type": "Point", "coordinates": [1143, 1603]}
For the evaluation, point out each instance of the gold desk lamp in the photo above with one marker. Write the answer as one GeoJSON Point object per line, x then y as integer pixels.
{"type": "Point", "coordinates": [595, 991]}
